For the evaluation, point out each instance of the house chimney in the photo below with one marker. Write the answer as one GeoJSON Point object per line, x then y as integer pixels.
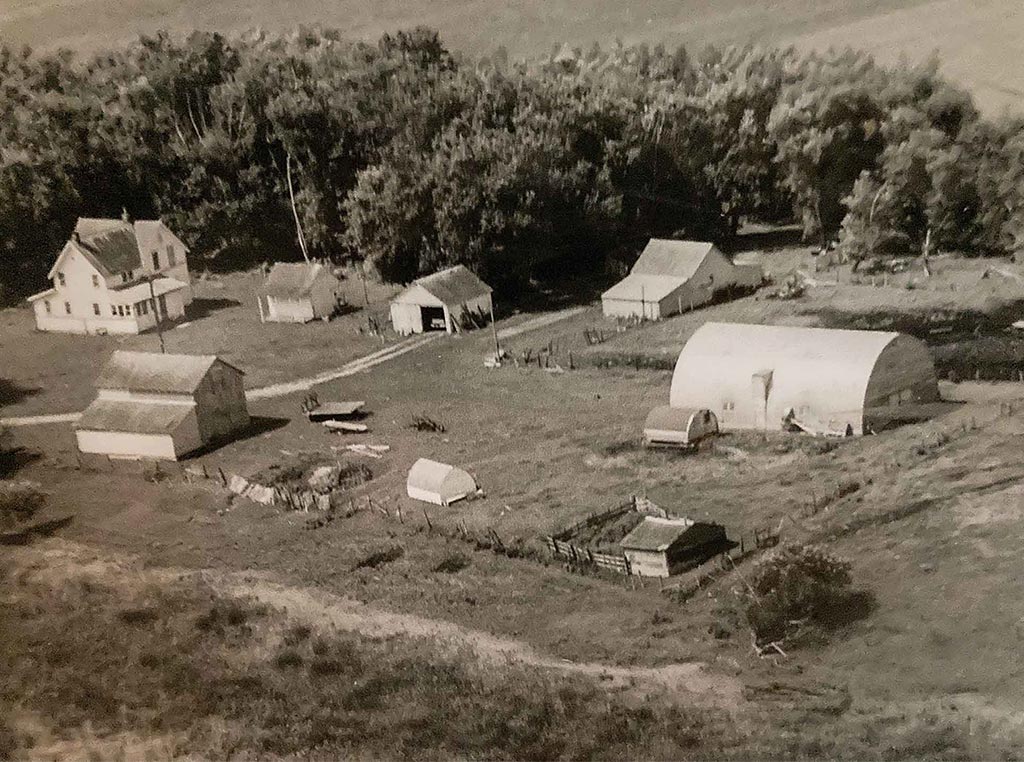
{"type": "Point", "coordinates": [76, 237]}
{"type": "Point", "coordinates": [124, 215]}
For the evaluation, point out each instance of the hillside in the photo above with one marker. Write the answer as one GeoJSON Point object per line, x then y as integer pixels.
{"type": "Point", "coordinates": [982, 43]}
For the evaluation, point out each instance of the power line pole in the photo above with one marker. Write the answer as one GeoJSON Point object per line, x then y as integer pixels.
{"type": "Point", "coordinates": [156, 314]}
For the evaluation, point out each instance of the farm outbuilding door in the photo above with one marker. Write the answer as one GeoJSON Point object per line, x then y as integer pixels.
{"type": "Point", "coordinates": [433, 319]}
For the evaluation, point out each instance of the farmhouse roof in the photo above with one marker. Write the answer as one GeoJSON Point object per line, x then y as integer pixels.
{"type": "Point", "coordinates": [676, 258]}
{"type": "Point", "coordinates": [154, 372]}
{"type": "Point", "coordinates": [292, 280]}
{"type": "Point", "coordinates": [656, 534]}
{"type": "Point", "coordinates": [454, 286]}
{"type": "Point", "coordinates": [114, 246]}
{"type": "Point", "coordinates": [641, 286]}
{"type": "Point", "coordinates": [135, 417]}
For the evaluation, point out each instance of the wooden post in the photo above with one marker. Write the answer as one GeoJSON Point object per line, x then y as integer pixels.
{"type": "Point", "coordinates": [156, 313]}
{"type": "Point", "coordinates": [399, 511]}
{"type": "Point", "coordinates": [223, 478]}
{"type": "Point", "coordinates": [430, 527]}
{"type": "Point", "coordinates": [494, 329]}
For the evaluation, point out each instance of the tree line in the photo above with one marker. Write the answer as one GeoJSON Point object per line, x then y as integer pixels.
{"type": "Point", "coordinates": [410, 157]}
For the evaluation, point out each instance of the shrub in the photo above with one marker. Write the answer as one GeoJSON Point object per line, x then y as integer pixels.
{"type": "Point", "coordinates": [796, 588]}
{"type": "Point", "coordinates": [452, 563]}
{"type": "Point", "coordinates": [19, 502]}
{"type": "Point", "coordinates": [381, 557]}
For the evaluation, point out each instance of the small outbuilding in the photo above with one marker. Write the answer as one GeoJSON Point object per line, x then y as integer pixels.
{"type": "Point", "coordinates": [441, 302]}
{"type": "Point", "coordinates": [297, 292]}
{"type": "Point", "coordinates": [162, 406]}
{"type": "Point", "coordinates": [678, 427]}
{"type": "Point", "coordinates": [661, 547]}
{"type": "Point", "coordinates": [438, 483]}
{"type": "Point", "coordinates": [673, 276]}
{"type": "Point", "coordinates": [768, 376]}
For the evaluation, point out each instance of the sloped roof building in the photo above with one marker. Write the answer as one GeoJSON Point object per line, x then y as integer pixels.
{"type": "Point", "coordinates": [162, 406]}
{"type": "Point", "coordinates": [297, 292]}
{"type": "Point", "coordinates": [439, 302]}
{"type": "Point", "coordinates": [672, 276]}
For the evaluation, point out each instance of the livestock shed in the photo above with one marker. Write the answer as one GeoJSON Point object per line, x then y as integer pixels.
{"type": "Point", "coordinates": [297, 292]}
{"type": "Point", "coordinates": [672, 276]}
{"type": "Point", "coordinates": [661, 547]}
{"type": "Point", "coordinates": [438, 483]}
{"type": "Point", "coordinates": [440, 302]}
{"type": "Point", "coordinates": [681, 427]}
{"type": "Point", "coordinates": [162, 406]}
{"type": "Point", "coordinates": [764, 376]}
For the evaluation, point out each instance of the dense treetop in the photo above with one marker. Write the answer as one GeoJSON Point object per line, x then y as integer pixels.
{"type": "Point", "coordinates": [410, 157]}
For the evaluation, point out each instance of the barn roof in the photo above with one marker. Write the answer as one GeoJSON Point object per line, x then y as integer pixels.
{"type": "Point", "coordinates": [676, 258]}
{"type": "Point", "coordinates": [154, 372]}
{"type": "Point", "coordinates": [292, 280]}
{"type": "Point", "coordinates": [655, 533]}
{"type": "Point", "coordinates": [134, 417]}
{"type": "Point", "coordinates": [453, 286]}
{"type": "Point", "coordinates": [641, 286]}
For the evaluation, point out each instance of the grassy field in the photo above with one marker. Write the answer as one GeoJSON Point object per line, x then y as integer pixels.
{"type": "Point", "coordinates": [981, 42]}
{"type": "Point", "coordinates": [926, 514]}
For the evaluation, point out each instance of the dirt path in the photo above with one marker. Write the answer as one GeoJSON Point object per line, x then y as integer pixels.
{"type": "Point", "coordinates": [539, 322]}
{"type": "Point", "coordinates": [56, 561]}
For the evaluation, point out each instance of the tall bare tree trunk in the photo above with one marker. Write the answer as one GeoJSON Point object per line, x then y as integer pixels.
{"type": "Point", "coordinates": [295, 211]}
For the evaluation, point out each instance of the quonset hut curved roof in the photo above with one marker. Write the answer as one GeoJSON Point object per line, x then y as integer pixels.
{"type": "Point", "coordinates": [751, 376]}
{"type": "Point", "coordinates": [438, 483]}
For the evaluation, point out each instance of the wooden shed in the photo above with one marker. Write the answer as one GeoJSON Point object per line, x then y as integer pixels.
{"type": "Point", "coordinates": [439, 302]}
{"type": "Point", "coordinates": [438, 483]}
{"type": "Point", "coordinates": [660, 547]}
{"type": "Point", "coordinates": [766, 376]}
{"type": "Point", "coordinates": [162, 406]}
{"type": "Point", "coordinates": [677, 426]}
{"type": "Point", "coordinates": [297, 292]}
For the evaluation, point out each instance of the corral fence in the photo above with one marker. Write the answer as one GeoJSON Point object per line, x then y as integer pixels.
{"type": "Point", "coordinates": [575, 555]}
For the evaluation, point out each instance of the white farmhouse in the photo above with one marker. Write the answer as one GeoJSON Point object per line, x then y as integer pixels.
{"type": "Point", "coordinates": [162, 406]}
{"type": "Point", "coordinates": [115, 276]}
{"type": "Point", "coordinates": [438, 302]}
{"type": "Point", "coordinates": [673, 276]}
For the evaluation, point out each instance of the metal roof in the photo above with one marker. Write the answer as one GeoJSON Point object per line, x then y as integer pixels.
{"type": "Point", "coordinates": [676, 258]}
{"type": "Point", "coordinates": [667, 418]}
{"type": "Point", "coordinates": [155, 372]}
{"type": "Point", "coordinates": [655, 533]}
{"type": "Point", "coordinates": [453, 286]}
{"type": "Point", "coordinates": [134, 417]}
{"type": "Point", "coordinates": [292, 280]}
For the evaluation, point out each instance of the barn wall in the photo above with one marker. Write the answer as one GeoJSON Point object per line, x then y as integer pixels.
{"type": "Point", "coordinates": [324, 295]}
{"type": "Point", "coordinates": [647, 563]}
{"type": "Point", "coordinates": [281, 310]}
{"type": "Point", "coordinates": [406, 318]}
{"type": "Point", "coordinates": [220, 404]}
{"type": "Point", "coordinates": [455, 311]}
{"type": "Point", "coordinates": [627, 308]}
{"type": "Point", "coordinates": [127, 444]}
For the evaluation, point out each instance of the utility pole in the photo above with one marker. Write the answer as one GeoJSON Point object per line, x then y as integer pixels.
{"type": "Point", "coordinates": [156, 314]}
{"type": "Point", "coordinates": [494, 331]}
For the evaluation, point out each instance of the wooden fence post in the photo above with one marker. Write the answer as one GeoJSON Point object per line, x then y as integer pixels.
{"type": "Point", "coordinates": [430, 527]}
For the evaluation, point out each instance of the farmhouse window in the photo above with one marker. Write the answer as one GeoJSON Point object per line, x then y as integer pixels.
{"type": "Point", "coordinates": [113, 310]}
{"type": "Point", "coordinates": [95, 281]}
{"type": "Point", "coordinates": [49, 309]}
{"type": "Point", "coordinates": [729, 406]}
{"type": "Point", "coordinates": [95, 309]}
{"type": "Point", "coordinates": [170, 256]}
{"type": "Point", "coordinates": [156, 260]}
{"type": "Point", "coordinates": [67, 307]}
{"type": "Point", "coordinates": [61, 279]}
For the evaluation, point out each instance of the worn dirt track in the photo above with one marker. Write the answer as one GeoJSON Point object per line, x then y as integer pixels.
{"type": "Point", "coordinates": [55, 561]}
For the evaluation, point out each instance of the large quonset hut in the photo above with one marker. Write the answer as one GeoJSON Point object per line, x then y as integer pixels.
{"type": "Point", "coordinates": [765, 377]}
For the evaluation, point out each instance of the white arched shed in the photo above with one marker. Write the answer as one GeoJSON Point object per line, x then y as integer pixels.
{"type": "Point", "coordinates": [760, 376]}
{"type": "Point", "coordinates": [438, 483]}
